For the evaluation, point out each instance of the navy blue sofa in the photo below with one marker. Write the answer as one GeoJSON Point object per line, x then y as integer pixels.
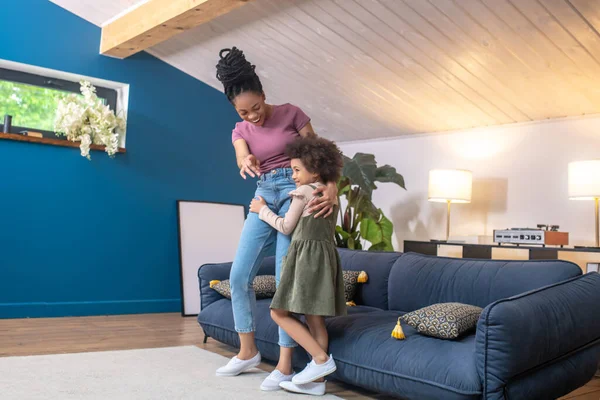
{"type": "Point", "coordinates": [537, 338]}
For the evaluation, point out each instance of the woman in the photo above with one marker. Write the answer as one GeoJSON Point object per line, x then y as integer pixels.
{"type": "Point", "coordinates": [260, 141]}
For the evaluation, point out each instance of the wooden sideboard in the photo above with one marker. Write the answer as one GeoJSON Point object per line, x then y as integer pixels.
{"type": "Point", "coordinates": [581, 256]}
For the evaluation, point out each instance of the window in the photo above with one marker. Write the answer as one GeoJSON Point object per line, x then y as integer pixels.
{"type": "Point", "coordinates": [32, 100]}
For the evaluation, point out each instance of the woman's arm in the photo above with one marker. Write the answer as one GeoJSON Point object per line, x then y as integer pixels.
{"type": "Point", "coordinates": [246, 162]}
{"type": "Point", "coordinates": [307, 131]}
{"type": "Point", "coordinates": [285, 225]}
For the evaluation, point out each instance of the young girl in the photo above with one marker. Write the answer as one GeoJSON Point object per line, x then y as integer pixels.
{"type": "Point", "coordinates": [311, 277]}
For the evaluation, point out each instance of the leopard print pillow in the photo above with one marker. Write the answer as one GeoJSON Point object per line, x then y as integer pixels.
{"type": "Point", "coordinates": [444, 320]}
{"type": "Point", "coordinates": [264, 287]}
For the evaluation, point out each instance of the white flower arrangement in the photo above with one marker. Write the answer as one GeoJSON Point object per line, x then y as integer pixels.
{"type": "Point", "coordinates": [87, 120]}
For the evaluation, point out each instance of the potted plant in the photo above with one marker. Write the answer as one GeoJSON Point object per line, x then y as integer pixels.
{"type": "Point", "coordinates": [361, 219]}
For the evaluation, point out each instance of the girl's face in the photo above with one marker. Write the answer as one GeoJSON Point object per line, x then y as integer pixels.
{"type": "Point", "coordinates": [301, 175]}
{"type": "Point", "coordinates": [251, 107]}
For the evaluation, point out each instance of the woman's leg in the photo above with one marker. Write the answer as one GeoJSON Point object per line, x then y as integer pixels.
{"type": "Point", "coordinates": [300, 334]}
{"type": "Point", "coordinates": [256, 237]}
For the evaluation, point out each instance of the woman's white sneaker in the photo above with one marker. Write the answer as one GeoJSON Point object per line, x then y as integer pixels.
{"type": "Point", "coordinates": [312, 388]}
{"type": "Point", "coordinates": [314, 371]}
{"type": "Point", "coordinates": [235, 366]}
{"type": "Point", "coordinates": [272, 381]}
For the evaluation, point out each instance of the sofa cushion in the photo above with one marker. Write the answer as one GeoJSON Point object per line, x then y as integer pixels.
{"type": "Point", "coordinates": [418, 280]}
{"type": "Point", "coordinates": [377, 265]}
{"type": "Point", "coordinates": [444, 320]}
{"type": "Point", "coordinates": [417, 367]}
{"type": "Point", "coordinates": [217, 321]}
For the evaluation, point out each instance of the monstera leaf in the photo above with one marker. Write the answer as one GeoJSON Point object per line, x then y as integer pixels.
{"type": "Point", "coordinates": [360, 171]}
{"type": "Point", "coordinates": [362, 219]}
{"type": "Point", "coordinates": [389, 174]}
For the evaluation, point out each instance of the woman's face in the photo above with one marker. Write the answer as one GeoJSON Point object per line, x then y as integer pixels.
{"type": "Point", "coordinates": [251, 107]}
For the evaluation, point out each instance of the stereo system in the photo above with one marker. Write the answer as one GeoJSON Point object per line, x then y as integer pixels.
{"type": "Point", "coordinates": [543, 235]}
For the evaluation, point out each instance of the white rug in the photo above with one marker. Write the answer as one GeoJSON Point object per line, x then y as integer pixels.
{"type": "Point", "coordinates": [166, 373]}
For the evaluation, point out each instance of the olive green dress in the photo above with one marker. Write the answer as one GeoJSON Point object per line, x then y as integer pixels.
{"type": "Point", "coordinates": [311, 277]}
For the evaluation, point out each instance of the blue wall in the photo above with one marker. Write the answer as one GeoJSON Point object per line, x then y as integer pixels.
{"type": "Point", "coordinates": [100, 237]}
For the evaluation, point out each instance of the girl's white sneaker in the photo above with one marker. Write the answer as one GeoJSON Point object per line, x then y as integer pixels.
{"type": "Point", "coordinates": [312, 388]}
{"type": "Point", "coordinates": [272, 381]}
{"type": "Point", "coordinates": [314, 371]}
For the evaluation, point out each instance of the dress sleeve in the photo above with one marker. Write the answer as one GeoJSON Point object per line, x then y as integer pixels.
{"type": "Point", "coordinates": [286, 224]}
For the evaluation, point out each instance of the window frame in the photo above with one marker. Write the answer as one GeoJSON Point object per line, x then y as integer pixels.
{"type": "Point", "coordinates": [6, 74]}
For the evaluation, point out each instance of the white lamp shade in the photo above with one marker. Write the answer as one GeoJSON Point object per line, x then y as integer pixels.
{"type": "Point", "coordinates": [584, 180]}
{"type": "Point", "coordinates": [454, 185]}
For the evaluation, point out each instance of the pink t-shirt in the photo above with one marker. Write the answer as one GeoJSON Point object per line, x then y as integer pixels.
{"type": "Point", "coordinates": [268, 142]}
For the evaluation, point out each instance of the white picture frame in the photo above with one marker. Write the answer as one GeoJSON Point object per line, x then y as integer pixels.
{"type": "Point", "coordinates": [208, 233]}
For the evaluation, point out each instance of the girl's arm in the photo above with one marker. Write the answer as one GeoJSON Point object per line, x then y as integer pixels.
{"type": "Point", "coordinates": [286, 224]}
{"type": "Point", "coordinates": [247, 163]}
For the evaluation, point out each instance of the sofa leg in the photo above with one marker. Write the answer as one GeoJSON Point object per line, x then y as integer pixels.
{"type": "Point", "coordinates": [205, 339]}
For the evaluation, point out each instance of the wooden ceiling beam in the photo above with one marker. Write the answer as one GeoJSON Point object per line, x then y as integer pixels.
{"type": "Point", "coordinates": [158, 20]}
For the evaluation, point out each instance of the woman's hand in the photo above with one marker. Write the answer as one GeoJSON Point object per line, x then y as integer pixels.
{"type": "Point", "coordinates": [256, 204]}
{"type": "Point", "coordinates": [250, 165]}
{"type": "Point", "coordinates": [323, 205]}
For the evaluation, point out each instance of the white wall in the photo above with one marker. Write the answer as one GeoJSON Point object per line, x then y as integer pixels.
{"type": "Point", "coordinates": [519, 179]}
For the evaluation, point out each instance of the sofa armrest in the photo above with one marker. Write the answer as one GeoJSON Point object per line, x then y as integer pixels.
{"type": "Point", "coordinates": [537, 328]}
{"type": "Point", "coordinates": [207, 273]}
{"type": "Point", "coordinates": [221, 272]}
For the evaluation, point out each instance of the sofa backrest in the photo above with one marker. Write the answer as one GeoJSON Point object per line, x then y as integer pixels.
{"type": "Point", "coordinates": [417, 280]}
{"type": "Point", "coordinates": [377, 265]}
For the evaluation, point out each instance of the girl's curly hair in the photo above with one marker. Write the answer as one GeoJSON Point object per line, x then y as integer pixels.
{"type": "Point", "coordinates": [319, 156]}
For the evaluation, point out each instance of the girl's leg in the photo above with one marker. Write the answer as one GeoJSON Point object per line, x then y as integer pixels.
{"type": "Point", "coordinates": [286, 343]}
{"type": "Point", "coordinates": [300, 334]}
{"type": "Point", "coordinates": [316, 325]}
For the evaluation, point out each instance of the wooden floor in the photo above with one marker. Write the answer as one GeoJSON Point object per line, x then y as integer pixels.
{"type": "Point", "coordinates": [19, 337]}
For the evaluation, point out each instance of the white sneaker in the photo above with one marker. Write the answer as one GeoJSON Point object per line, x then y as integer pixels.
{"type": "Point", "coordinates": [272, 381]}
{"type": "Point", "coordinates": [235, 366]}
{"type": "Point", "coordinates": [314, 371]}
{"type": "Point", "coordinates": [313, 388]}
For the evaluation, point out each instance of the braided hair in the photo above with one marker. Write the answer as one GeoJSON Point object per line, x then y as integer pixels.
{"type": "Point", "coordinates": [237, 74]}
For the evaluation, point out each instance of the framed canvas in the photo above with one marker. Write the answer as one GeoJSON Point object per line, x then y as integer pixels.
{"type": "Point", "coordinates": [208, 233]}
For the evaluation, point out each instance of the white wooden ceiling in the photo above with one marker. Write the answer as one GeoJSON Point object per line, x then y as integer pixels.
{"type": "Point", "coordinates": [365, 69]}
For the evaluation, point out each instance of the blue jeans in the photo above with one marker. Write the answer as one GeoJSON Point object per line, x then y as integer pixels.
{"type": "Point", "coordinates": [257, 237]}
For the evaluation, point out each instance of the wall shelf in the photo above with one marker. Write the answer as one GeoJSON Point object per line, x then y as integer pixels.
{"type": "Point", "coordinates": [53, 142]}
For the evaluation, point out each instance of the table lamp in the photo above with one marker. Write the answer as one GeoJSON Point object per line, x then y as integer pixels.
{"type": "Point", "coordinates": [584, 184]}
{"type": "Point", "coordinates": [450, 186]}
